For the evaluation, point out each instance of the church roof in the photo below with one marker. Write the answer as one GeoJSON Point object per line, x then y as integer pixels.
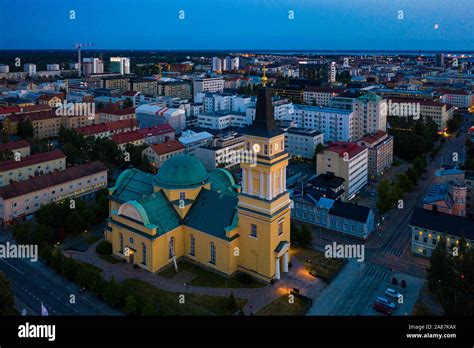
{"type": "Point", "coordinates": [181, 171]}
{"type": "Point", "coordinates": [264, 124]}
{"type": "Point", "coordinates": [132, 184]}
{"type": "Point", "coordinates": [212, 213]}
{"type": "Point", "coordinates": [160, 212]}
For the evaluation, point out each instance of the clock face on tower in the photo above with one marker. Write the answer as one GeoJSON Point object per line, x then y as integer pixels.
{"type": "Point", "coordinates": [276, 147]}
{"type": "Point", "coordinates": [256, 148]}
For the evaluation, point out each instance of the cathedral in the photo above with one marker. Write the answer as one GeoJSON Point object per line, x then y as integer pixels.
{"type": "Point", "coordinates": [205, 217]}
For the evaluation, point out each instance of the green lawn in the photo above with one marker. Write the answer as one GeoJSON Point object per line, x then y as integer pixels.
{"type": "Point", "coordinates": [109, 258]}
{"type": "Point", "coordinates": [207, 278]}
{"type": "Point", "coordinates": [90, 266]}
{"type": "Point", "coordinates": [168, 302]}
{"type": "Point", "coordinates": [317, 264]}
{"type": "Point", "coordinates": [282, 306]}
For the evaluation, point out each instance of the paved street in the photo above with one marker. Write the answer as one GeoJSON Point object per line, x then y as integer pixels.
{"type": "Point", "coordinates": [33, 283]}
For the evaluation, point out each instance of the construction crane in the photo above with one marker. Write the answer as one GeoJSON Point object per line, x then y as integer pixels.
{"type": "Point", "coordinates": [79, 46]}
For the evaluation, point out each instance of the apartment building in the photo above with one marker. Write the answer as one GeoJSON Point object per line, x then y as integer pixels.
{"type": "Point", "coordinates": [175, 89]}
{"type": "Point", "coordinates": [46, 124]}
{"type": "Point", "coordinates": [192, 140]}
{"type": "Point", "coordinates": [23, 198]}
{"type": "Point", "coordinates": [222, 152]}
{"type": "Point", "coordinates": [21, 147]}
{"type": "Point", "coordinates": [459, 98]}
{"type": "Point", "coordinates": [37, 164]}
{"type": "Point", "coordinates": [439, 112]}
{"type": "Point", "coordinates": [469, 179]}
{"type": "Point", "coordinates": [380, 159]}
{"type": "Point", "coordinates": [348, 161]}
{"type": "Point", "coordinates": [302, 142]}
{"type": "Point", "coordinates": [371, 114]}
{"type": "Point", "coordinates": [105, 130]}
{"type": "Point", "coordinates": [145, 86]}
{"type": "Point", "coordinates": [428, 227]}
{"type": "Point", "coordinates": [213, 84]}
{"type": "Point", "coordinates": [119, 83]}
{"type": "Point", "coordinates": [223, 119]}
{"type": "Point", "coordinates": [113, 114]}
{"type": "Point", "coordinates": [157, 154]}
{"type": "Point", "coordinates": [320, 96]}
{"type": "Point", "coordinates": [336, 124]}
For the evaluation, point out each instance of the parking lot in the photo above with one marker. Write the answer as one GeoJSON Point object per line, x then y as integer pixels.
{"type": "Point", "coordinates": [355, 289]}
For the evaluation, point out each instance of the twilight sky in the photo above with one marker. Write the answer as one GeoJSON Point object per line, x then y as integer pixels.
{"type": "Point", "coordinates": [239, 24]}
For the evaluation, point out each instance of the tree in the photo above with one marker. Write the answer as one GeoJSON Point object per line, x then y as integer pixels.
{"type": "Point", "coordinates": [25, 128]}
{"type": "Point", "coordinates": [131, 305]}
{"type": "Point", "coordinates": [318, 149]}
{"type": "Point", "coordinates": [306, 237]}
{"type": "Point", "coordinates": [405, 183]}
{"type": "Point", "coordinates": [231, 302]}
{"type": "Point", "coordinates": [385, 199]}
{"type": "Point", "coordinates": [419, 164]}
{"type": "Point", "coordinates": [127, 103]}
{"type": "Point", "coordinates": [7, 302]}
{"type": "Point", "coordinates": [148, 309]}
{"type": "Point", "coordinates": [5, 136]}
{"type": "Point", "coordinates": [111, 293]}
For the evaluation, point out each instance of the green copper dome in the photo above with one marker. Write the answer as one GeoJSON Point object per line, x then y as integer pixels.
{"type": "Point", "coordinates": [181, 172]}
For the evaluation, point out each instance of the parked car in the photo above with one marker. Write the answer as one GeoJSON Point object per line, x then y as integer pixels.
{"type": "Point", "coordinates": [393, 294]}
{"type": "Point", "coordinates": [373, 193]}
{"type": "Point", "coordinates": [382, 309]}
{"type": "Point", "coordinates": [386, 303]}
{"type": "Point", "coordinates": [394, 281]}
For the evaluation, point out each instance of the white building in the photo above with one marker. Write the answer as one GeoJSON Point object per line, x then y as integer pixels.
{"type": "Point", "coordinates": [223, 102]}
{"type": "Point", "coordinates": [120, 65]}
{"type": "Point", "coordinates": [319, 95]}
{"type": "Point", "coordinates": [4, 68]}
{"type": "Point", "coordinates": [52, 67]}
{"type": "Point", "coordinates": [222, 152]}
{"type": "Point", "coordinates": [282, 110]}
{"type": "Point", "coordinates": [223, 120]}
{"type": "Point", "coordinates": [302, 142]}
{"type": "Point", "coordinates": [332, 72]}
{"type": "Point", "coordinates": [30, 69]}
{"type": "Point", "coordinates": [154, 114]}
{"type": "Point", "coordinates": [371, 111]}
{"type": "Point", "coordinates": [459, 98]}
{"type": "Point", "coordinates": [92, 66]}
{"type": "Point", "coordinates": [192, 140]}
{"type": "Point", "coordinates": [213, 84]}
{"type": "Point", "coordinates": [336, 124]}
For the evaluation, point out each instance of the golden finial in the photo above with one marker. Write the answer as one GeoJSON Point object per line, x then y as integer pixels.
{"type": "Point", "coordinates": [264, 77]}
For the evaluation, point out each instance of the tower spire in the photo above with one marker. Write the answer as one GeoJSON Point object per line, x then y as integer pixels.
{"type": "Point", "coordinates": [264, 77]}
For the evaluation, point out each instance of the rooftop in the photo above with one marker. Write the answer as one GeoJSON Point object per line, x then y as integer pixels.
{"type": "Point", "coordinates": [12, 145]}
{"type": "Point", "coordinates": [167, 147]}
{"type": "Point", "coordinates": [52, 179]}
{"type": "Point", "coordinates": [342, 148]}
{"type": "Point", "coordinates": [442, 222]}
{"type": "Point", "coordinates": [350, 211]}
{"type": "Point", "coordinates": [32, 160]}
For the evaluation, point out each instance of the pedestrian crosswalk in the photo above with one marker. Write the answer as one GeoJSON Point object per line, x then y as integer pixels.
{"type": "Point", "coordinates": [394, 251]}
{"type": "Point", "coordinates": [378, 272]}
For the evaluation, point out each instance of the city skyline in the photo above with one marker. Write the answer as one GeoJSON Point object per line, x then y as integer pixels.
{"type": "Point", "coordinates": [245, 25]}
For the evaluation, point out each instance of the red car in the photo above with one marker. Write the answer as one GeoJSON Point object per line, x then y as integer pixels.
{"type": "Point", "coordinates": [382, 309]}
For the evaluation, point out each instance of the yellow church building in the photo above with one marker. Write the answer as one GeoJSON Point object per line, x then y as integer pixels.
{"type": "Point", "coordinates": [186, 212]}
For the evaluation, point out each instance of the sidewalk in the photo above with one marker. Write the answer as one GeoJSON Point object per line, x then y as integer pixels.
{"type": "Point", "coordinates": [257, 298]}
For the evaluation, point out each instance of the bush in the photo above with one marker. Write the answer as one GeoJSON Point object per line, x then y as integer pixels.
{"type": "Point", "coordinates": [231, 302]}
{"type": "Point", "coordinates": [131, 305]}
{"type": "Point", "coordinates": [244, 278]}
{"type": "Point", "coordinates": [104, 248]}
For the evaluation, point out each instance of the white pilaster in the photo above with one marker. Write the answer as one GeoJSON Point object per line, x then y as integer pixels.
{"type": "Point", "coordinates": [284, 178]}
{"type": "Point", "coordinates": [262, 184]}
{"type": "Point", "coordinates": [244, 180]}
{"type": "Point", "coordinates": [268, 187]}
{"type": "Point", "coordinates": [285, 262]}
{"type": "Point", "coordinates": [274, 183]}
{"type": "Point", "coordinates": [249, 184]}
{"type": "Point", "coordinates": [281, 181]}
{"type": "Point", "coordinates": [277, 269]}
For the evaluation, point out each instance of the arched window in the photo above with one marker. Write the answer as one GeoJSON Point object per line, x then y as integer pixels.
{"type": "Point", "coordinates": [192, 248]}
{"type": "Point", "coordinates": [121, 243]}
{"type": "Point", "coordinates": [143, 254]}
{"type": "Point", "coordinates": [171, 248]}
{"type": "Point", "coordinates": [213, 253]}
